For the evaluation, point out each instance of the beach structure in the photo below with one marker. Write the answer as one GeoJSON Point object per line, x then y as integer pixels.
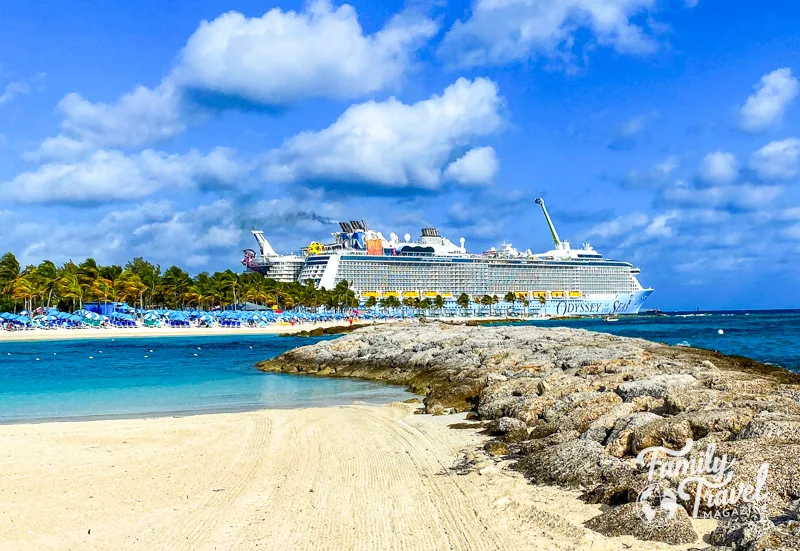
{"type": "Point", "coordinates": [563, 281]}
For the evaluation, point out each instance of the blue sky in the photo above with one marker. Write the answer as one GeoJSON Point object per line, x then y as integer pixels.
{"type": "Point", "coordinates": [663, 132]}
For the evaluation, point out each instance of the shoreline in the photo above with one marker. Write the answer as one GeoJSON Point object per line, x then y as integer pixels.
{"type": "Point", "coordinates": [276, 329]}
{"type": "Point", "coordinates": [575, 408]}
{"type": "Point", "coordinates": [166, 332]}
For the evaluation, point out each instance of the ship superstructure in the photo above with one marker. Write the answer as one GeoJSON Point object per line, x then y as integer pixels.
{"type": "Point", "coordinates": [561, 281]}
{"type": "Point", "coordinates": [285, 268]}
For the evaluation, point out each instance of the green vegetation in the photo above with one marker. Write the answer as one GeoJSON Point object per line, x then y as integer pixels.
{"type": "Point", "coordinates": [142, 284]}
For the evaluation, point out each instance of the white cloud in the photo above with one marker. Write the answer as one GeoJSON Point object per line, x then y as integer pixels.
{"type": "Point", "coordinates": [719, 168]}
{"type": "Point", "coordinates": [283, 57]}
{"type": "Point", "coordinates": [736, 197]}
{"type": "Point", "coordinates": [668, 165]}
{"type": "Point", "coordinates": [156, 230]}
{"type": "Point", "coordinates": [692, 3]}
{"type": "Point", "coordinates": [657, 227]}
{"type": "Point", "coordinates": [777, 160]}
{"type": "Point", "coordinates": [139, 117]}
{"type": "Point", "coordinates": [391, 144]}
{"type": "Point", "coordinates": [275, 60]}
{"type": "Point", "coordinates": [619, 226]}
{"type": "Point", "coordinates": [500, 31]}
{"type": "Point", "coordinates": [13, 90]}
{"type": "Point", "coordinates": [477, 166]}
{"type": "Point", "coordinates": [766, 106]}
{"type": "Point", "coordinates": [110, 174]}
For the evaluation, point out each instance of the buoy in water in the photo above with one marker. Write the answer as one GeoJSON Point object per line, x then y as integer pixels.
{"type": "Point", "coordinates": [37, 359]}
{"type": "Point", "coordinates": [91, 357]}
{"type": "Point", "coordinates": [145, 355]}
{"type": "Point", "coordinates": [195, 354]}
{"type": "Point", "coordinates": [720, 331]}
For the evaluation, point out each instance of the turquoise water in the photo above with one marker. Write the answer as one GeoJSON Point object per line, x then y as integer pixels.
{"type": "Point", "coordinates": [180, 375]}
{"type": "Point", "coordinates": [770, 337]}
{"type": "Point", "coordinates": [161, 376]}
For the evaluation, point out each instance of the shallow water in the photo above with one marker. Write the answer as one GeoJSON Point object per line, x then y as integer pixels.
{"type": "Point", "coordinates": [162, 376]}
{"type": "Point", "coordinates": [770, 337]}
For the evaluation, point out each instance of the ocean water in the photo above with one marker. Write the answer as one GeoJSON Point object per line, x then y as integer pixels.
{"type": "Point", "coordinates": [767, 336]}
{"type": "Point", "coordinates": [160, 376]}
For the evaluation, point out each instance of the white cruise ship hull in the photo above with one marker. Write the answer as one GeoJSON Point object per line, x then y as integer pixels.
{"type": "Point", "coordinates": [602, 305]}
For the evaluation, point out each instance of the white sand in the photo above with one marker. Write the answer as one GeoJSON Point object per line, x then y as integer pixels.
{"type": "Point", "coordinates": [276, 329]}
{"type": "Point", "coordinates": [109, 332]}
{"type": "Point", "coordinates": [356, 477]}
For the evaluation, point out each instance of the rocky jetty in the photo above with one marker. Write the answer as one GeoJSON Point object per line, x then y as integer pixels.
{"type": "Point", "coordinates": [575, 408]}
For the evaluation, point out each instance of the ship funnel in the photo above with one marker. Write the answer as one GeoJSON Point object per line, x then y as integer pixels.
{"type": "Point", "coordinates": [553, 232]}
{"type": "Point", "coordinates": [263, 244]}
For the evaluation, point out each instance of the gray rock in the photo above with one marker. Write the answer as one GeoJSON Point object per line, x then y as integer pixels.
{"type": "Point", "coordinates": [620, 440]}
{"type": "Point", "coordinates": [741, 535]}
{"type": "Point", "coordinates": [565, 382]}
{"type": "Point", "coordinates": [625, 521]}
{"type": "Point", "coordinates": [577, 463]}
{"type": "Point", "coordinates": [509, 424]}
{"type": "Point", "coordinates": [655, 386]}
{"type": "Point", "coordinates": [601, 427]}
{"type": "Point", "coordinates": [772, 427]}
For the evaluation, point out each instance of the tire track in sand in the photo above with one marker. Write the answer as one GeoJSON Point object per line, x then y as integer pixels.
{"type": "Point", "coordinates": [187, 531]}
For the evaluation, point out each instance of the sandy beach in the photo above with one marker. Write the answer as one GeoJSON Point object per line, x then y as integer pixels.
{"type": "Point", "coordinates": [114, 332]}
{"type": "Point", "coordinates": [276, 329]}
{"type": "Point", "coordinates": [354, 477]}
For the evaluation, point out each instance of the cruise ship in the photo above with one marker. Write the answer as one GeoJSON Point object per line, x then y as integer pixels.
{"type": "Point", "coordinates": [564, 281]}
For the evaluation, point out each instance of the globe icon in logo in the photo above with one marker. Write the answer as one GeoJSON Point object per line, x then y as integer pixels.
{"type": "Point", "coordinates": [656, 505]}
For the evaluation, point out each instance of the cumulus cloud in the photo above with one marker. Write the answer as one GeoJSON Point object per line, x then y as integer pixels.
{"type": "Point", "coordinates": [737, 197]}
{"type": "Point", "coordinates": [274, 60]}
{"type": "Point", "coordinates": [773, 94]}
{"type": "Point", "coordinates": [394, 145]}
{"type": "Point", "coordinates": [777, 160]}
{"type": "Point", "coordinates": [154, 229]}
{"type": "Point", "coordinates": [112, 175]}
{"type": "Point", "coordinates": [719, 167]}
{"type": "Point", "coordinates": [139, 117]}
{"type": "Point", "coordinates": [501, 31]}
{"type": "Point", "coordinates": [284, 57]}
{"type": "Point", "coordinates": [478, 166]}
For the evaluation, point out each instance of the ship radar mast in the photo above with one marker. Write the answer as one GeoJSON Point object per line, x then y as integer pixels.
{"type": "Point", "coordinates": [559, 245]}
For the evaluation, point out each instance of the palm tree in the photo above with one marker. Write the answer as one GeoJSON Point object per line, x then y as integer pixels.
{"type": "Point", "coordinates": [486, 300]}
{"type": "Point", "coordinates": [70, 287]}
{"type": "Point", "coordinates": [438, 303]}
{"type": "Point", "coordinates": [370, 302]}
{"type": "Point", "coordinates": [510, 298]}
{"type": "Point", "coordinates": [9, 273]}
{"type": "Point", "coordinates": [47, 276]}
{"type": "Point", "coordinates": [104, 290]}
{"type": "Point", "coordinates": [24, 289]}
{"type": "Point", "coordinates": [463, 301]}
{"type": "Point", "coordinates": [228, 281]}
